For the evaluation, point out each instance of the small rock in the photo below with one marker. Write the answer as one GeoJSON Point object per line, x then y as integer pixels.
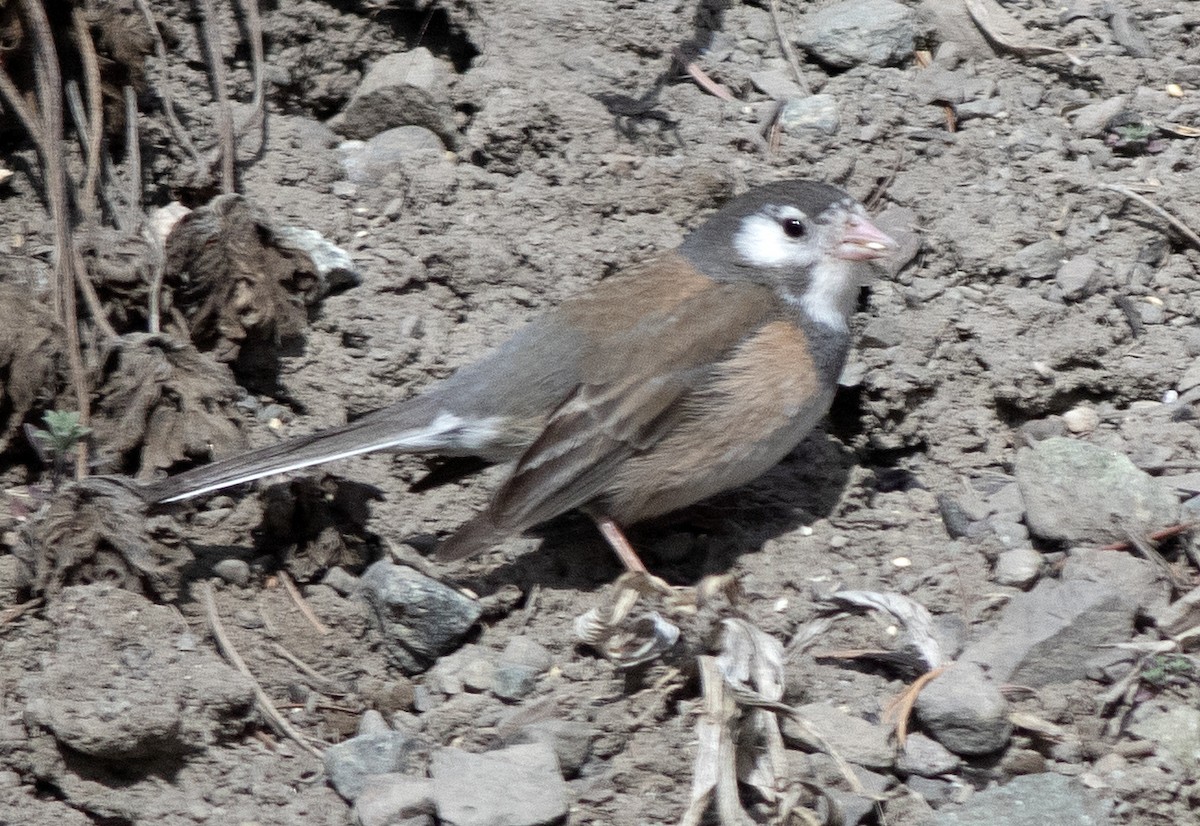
{"type": "Point", "coordinates": [932, 791]}
{"type": "Point", "coordinates": [516, 786]}
{"type": "Point", "coordinates": [845, 34]}
{"type": "Point", "coordinates": [234, 571]}
{"type": "Point", "coordinates": [340, 580]}
{"type": "Point", "coordinates": [776, 84]}
{"type": "Point", "coordinates": [1037, 261]}
{"type": "Point", "coordinates": [1077, 492]}
{"type": "Point", "coordinates": [372, 722]}
{"type": "Point", "coordinates": [478, 675]}
{"type": "Point", "coordinates": [1030, 800]}
{"type": "Point", "coordinates": [1077, 277]}
{"type": "Point", "coordinates": [926, 757]}
{"type": "Point", "coordinates": [571, 742]}
{"type": "Point", "coordinates": [817, 112]}
{"type": "Point", "coordinates": [1081, 420]}
{"type": "Point", "coordinates": [1050, 634]}
{"type": "Point", "coordinates": [1018, 567]}
{"type": "Point", "coordinates": [1176, 729]}
{"type": "Point", "coordinates": [859, 741]}
{"type": "Point", "coordinates": [526, 651]}
{"type": "Point", "coordinates": [388, 798]}
{"type": "Point", "coordinates": [352, 761]}
{"type": "Point", "coordinates": [1143, 585]}
{"type": "Point", "coordinates": [419, 618]}
{"type": "Point", "coordinates": [393, 150]}
{"type": "Point", "coordinates": [404, 89]}
{"type": "Point", "coordinates": [1091, 120]}
{"type": "Point", "coordinates": [964, 711]}
{"type": "Point", "coordinates": [514, 682]}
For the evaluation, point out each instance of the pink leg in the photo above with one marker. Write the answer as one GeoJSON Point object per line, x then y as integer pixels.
{"type": "Point", "coordinates": [616, 540]}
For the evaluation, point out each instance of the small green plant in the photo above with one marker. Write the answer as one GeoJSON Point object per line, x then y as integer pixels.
{"type": "Point", "coordinates": [1169, 669]}
{"type": "Point", "coordinates": [56, 444]}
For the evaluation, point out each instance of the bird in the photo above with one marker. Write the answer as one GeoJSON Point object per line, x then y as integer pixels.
{"type": "Point", "coordinates": [679, 377]}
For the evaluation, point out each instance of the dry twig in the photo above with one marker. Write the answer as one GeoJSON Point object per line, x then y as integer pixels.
{"type": "Point", "coordinates": [1180, 227]}
{"type": "Point", "coordinates": [277, 720]}
{"type": "Point", "coordinates": [789, 54]}
{"type": "Point", "coordinates": [302, 604]}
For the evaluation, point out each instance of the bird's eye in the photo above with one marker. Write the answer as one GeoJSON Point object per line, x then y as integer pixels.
{"type": "Point", "coordinates": [793, 227]}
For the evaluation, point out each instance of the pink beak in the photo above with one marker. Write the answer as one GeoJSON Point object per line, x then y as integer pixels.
{"type": "Point", "coordinates": [863, 241]}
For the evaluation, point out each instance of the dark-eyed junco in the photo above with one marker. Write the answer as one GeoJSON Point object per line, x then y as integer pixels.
{"type": "Point", "coordinates": [678, 378]}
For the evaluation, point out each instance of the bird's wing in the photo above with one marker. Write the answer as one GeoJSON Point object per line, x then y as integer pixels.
{"type": "Point", "coordinates": [630, 397]}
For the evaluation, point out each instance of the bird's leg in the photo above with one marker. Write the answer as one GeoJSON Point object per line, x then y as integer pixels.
{"type": "Point", "coordinates": [616, 540]}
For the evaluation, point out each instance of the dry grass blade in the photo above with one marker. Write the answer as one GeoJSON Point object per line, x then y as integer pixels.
{"type": "Point", "coordinates": [302, 604]}
{"type": "Point", "coordinates": [277, 721]}
{"type": "Point", "coordinates": [1179, 226]}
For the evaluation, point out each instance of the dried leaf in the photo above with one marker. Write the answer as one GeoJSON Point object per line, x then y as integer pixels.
{"type": "Point", "coordinates": [159, 402]}
{"type": "Point", "coordinates": [1007, 33]}
{"type": "Point", "coordinates": [914, 619]}
{"type": "Point", "coordinates": [30, 357]}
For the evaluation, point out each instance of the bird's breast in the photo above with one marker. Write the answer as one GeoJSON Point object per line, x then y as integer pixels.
{"type": "Point", "coordinates": [761, 401]}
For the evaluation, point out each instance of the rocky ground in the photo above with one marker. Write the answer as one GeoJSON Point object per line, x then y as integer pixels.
{"type": "Point", "coordinates": [993, 526]}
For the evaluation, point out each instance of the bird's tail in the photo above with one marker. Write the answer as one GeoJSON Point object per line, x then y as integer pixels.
{"type": "Point", "coordinates": [408, 427]}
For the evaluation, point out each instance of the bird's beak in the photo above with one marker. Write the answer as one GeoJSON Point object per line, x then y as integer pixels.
{"type": "Point", "coordinates": [863, 241]}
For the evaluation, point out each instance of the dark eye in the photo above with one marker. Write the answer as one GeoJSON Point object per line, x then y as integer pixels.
{"type": "Point", "coordinates": [793, 227]}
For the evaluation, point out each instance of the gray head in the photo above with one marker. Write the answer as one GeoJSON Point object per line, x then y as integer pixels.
{"type": "Point", "coordinates": [799, 237]}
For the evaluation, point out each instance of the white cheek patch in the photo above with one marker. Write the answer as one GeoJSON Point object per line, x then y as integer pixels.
{"type": "Point", "coordinates": [831, 292]}
{"type": "Point", "coordinates": [760, 242]}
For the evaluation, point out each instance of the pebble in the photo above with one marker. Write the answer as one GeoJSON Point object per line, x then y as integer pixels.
{"type": "Point", "coordinates": [1018, 567]}
{"type": "Point", "coordinates": [514, 682]}
{"type": "Point", "coordinates": [925, 756]}
{"type": "Point", "coordinates": [515, 786]}
{"type": "Point", "coordinates": [815, 112]}
{"type": "Point", "coordinates": [234, 571]}
{"type": "Point", "coordinates": [1081, 420]}
{"type": "Point", "coordinates": [1077, 277]}
{"type": "Point", "coordinates": [964, 711]}
{"type": "Point", "coordinates": [340, 580]}
{"type": "Point", "coordinates": [845, 34]}
{"type": "Point", "coordinates": [418, 618]}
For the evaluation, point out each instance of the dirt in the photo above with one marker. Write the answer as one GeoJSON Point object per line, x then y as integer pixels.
{"type": "Point", "coordinates": [579, 144]}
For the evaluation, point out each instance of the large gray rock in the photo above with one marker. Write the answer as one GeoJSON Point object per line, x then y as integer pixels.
{"type": "Point", "coordinates": [406, 89]}
{"type": "Point", "coordinates": [419, 618]}
{"type": "Point", "coordinates": [877, 32]}
{"type": "Point", "coordinates": [964, 711]}
{"type": "Point", "coordinates": [1030, 800]}
{"type": "Point", "coordinates": [1052, 633]}
{"type": "Point", "coordinates": [516, 786]}
{"type": "Point", "coordinates": [1077, 492]}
